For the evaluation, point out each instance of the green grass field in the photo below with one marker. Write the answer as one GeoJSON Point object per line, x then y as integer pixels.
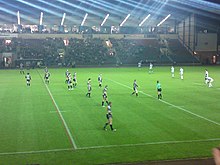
{"type": "Point", "coordinates": [50, 125]}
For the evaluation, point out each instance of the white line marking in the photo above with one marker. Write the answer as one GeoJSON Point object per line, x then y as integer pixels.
{"type": "Point", "coordinates": [165, 102]}
{"type": "Point", "coordinates": [150, 143]}
{"type": "Point", "coordinates": [35, 152]}
{"type": "Point", "coordinates": [61, 117]}
{"type": "Point", "coordinates": [64, 122]}
{"type": "Point", "coordinates": [60, 111]}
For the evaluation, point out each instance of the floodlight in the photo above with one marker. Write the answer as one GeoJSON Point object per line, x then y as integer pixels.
{"type": "Point", "coordinates": [164, 20]}
{"type": "Point", "coordinates": [106, 17]}
{"type": "Point", "coordinates": [144, 20]}
{"type": "Point", "coordinates": [125, 20]}
{"type": "Point", "coordinates": [84, 19]}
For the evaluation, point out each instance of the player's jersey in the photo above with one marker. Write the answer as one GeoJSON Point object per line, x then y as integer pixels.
{"type": "Point", "coordinates": [21, 66]}
{"type": "Point", "coordinates": [47, 75]}
{"type": "Point", "coordinates": [28, 77]}
{"type": "Point", "coordinates": [89, 86]}
{"type": "Point", "coordinates": [158, 86]}
{"type": "Point", "coordinates": [74, 77]}
{"type": "Point", "coordinates": [104, 93]}
{"type": "Point", "coordinates": [151, 66]}
{"type": "Point", "coordinates": [67, 73]}
{"type": "Point", "coordinates": [181, 71]}
{"type": "Point", "coordinates": [172, 69]}
{"type": "Point", "coordinates": [206, 74]}
{"type": "Point", "coordinates": [69, 78]}
{"type": "Point", "coordinates": [135, 86]}
{"type": "Point", "coordinates": [99, 79]}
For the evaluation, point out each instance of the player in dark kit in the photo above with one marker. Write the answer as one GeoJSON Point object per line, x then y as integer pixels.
{"type": "Point", "coordinates": [104, 96]}
{"type": "Point", "coordinates": [28, 79]}
{"type": "Point", "coordinates": [135, 88]}
{"type": "Point", "coordinates": [74, 79]}
{"type": "Point", "coordinates": [46, 77]}
{"type": "Point", "coordinates": [89, 87]}
{"type": "Point", "coordinates": [100, 80]}
{"type": "Point", "coordinates": [69, 82]}
{"type": "Point", "coordinates": [109, 117]}
{"type": "Point", "coordinates": [159, 90]}
{"type": "Point", "coordinates": [67, 76]}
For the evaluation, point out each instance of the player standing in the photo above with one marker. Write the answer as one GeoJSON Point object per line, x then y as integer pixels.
{"type": "Point", "coordinates": [206, 76]}
{"type": "Point", "coordinates": [181, 73]}
{"type": "Point", "coordinates": [21, 68]}
{"type": "Point", "coordinates": [104, 96]}
{"type": "Point", "coordinates": [46, 77]}
{"type": "Point", "coordinates": [28, 79]}
{"type": "Point", "coordinates": [159, 90]}
{"type": "Point", "coordinates": [109, 117]}
{"type": "Point", "coordinates": [67, 76]}
{"type": "Point", "coordinates": [172, 71]}
{"type": "Point", "coordinates": [151, 68]}
{"type": "Point", "coordinates": [89, 87]}
{"type": "Point", "coordinates": [100, 80]}
{"type": "Point", "coordinates": [139, 64]}
{"type": "Point", "coordinates": [74, 79]}
{"type": "Point", "coordinates": [135, 88]}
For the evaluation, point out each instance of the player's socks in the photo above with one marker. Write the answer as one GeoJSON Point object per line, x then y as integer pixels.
{"type": "Point", "coordinates": [107, 102]}
{"type": "Point", "coordinates": [102, 103]}
{"type": "Point", "coordinates": [111, 127]}
{"type": "Point", "coordinates": [136, 94]}
{"type": "Point", "coordinates": [105, 125]}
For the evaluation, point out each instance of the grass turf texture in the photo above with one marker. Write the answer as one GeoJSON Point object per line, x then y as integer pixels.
{"type": "Point", "coordinates": [186, 125]}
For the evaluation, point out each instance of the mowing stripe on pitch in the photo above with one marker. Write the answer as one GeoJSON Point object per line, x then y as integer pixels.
{"type": "Point", "coordinates": [70, 137]}
{"type": "Point", "coordinates": [172, 105]}
{"type": "Point", "coordinates": [151, 143]}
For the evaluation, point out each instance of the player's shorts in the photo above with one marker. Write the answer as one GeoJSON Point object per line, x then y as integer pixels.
{"type": "Point", "coordinates": [104, 97]}
{"type": "Point", "coordinates": [108, 116]}
{"type": "Point", "coordinates": [159, 90]}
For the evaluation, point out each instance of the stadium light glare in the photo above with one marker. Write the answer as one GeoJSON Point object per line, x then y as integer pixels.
{"type": "Point", "coordinates": [106, 17]}
{"type": "Point", "coordinates": [125, 20]}
{"type": "Point", "coordinates": [64, 16]}
{"type": "Point", "coordinates": [41, 18]}
{"type": "Point", "coordinates": [84, 19]}
{"type": "Point", "coordinates": [164, 20]}
{"type": "Point", "coordinates": [18, 17]}
{"type": "Point", "coordinates": [144, 20]}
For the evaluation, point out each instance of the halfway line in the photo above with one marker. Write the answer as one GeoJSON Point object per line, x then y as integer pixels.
{"type": "Point", "coordinates": [165, 102]}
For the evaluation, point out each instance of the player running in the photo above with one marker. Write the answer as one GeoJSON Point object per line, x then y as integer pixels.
{"type": "Point", "coordinates": [109, 117]}
{"type": "Point", "coordinates": [159, 90]}
{"type": "Point", "coordinates": [74, 79]}
{"type": "Point", "coordinates": [100, 80]}
{"type": "Point", "coordinates": [172, 71]}
{"type": "Point", "coordinates": [89, 87]}
{"type": "Point", "coordinates": [46, 77]}
{"type": "Point", "coordinates": [135, 88]}
{"type": "Point", "coordinates": [28, 79]}
{"type": "Point", "coordinates": [104, 96]}
{"type": "Point", "coordinates": [181, 73]}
